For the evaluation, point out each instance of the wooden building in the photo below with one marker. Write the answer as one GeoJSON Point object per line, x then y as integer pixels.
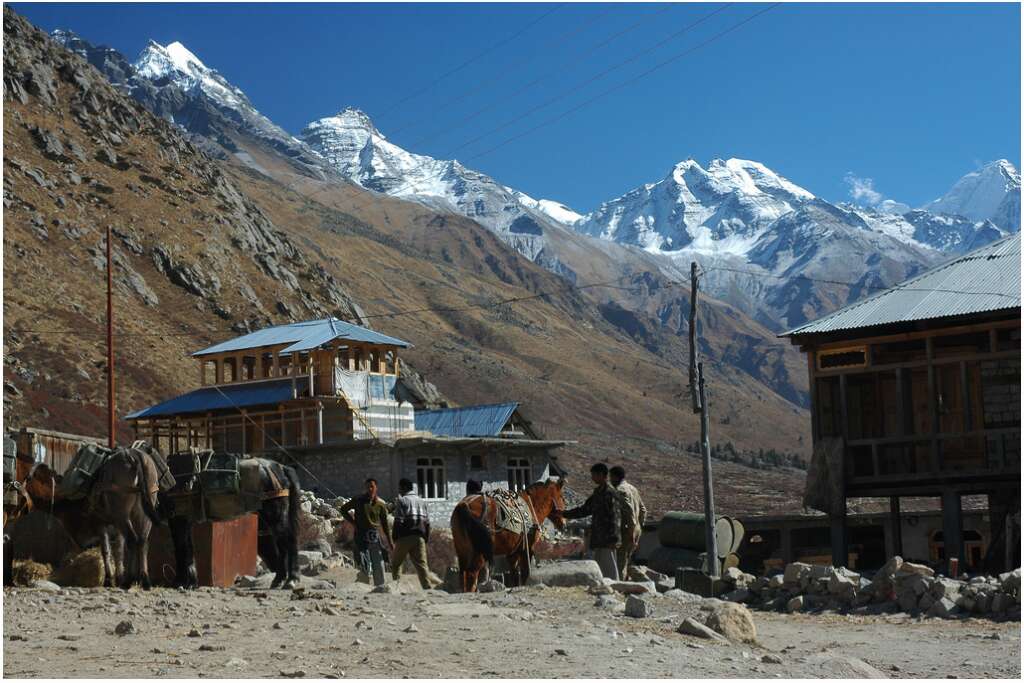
{"type": "Point", "coordinates": [302, 384]}
{"type": "Point", "coordinates": [915, 391]}
{"type": "Point", "coordinates": [327, 396]}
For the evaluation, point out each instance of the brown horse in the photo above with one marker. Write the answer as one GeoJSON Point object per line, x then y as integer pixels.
{"type": "Point", "coordinates": [40, 491]}
{"type": "Point", "coordinates": [477, 537]}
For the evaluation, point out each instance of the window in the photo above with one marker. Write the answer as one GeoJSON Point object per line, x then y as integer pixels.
{"type": "Point", "coordinates": [842, 358]}
{"type": "Point", "coordinates": [476, 462]}
{"type": "Point", "coordinates": [518, 474]}
{"type": "Point", "coordinates": [430, 480]}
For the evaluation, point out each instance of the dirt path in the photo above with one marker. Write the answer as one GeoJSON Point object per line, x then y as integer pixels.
{"type": "Point", "coordinates": [545, 632]}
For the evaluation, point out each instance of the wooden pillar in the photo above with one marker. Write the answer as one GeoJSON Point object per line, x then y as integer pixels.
{"type": "Point", "coordinates": [965, 398]}
{"type": "Point", "coordinates": [895, 527]}
{"type": "Point", "coordinates": [258, 369]}
{"type": "Point", "coordinates": [319, 423]}
{"type": "Point", "coordinates": [786, 543]}
{"type": "Point", "coordinates": [840, 540]}
{"type": "Point", "coordinates": [275, 369]}
{"type": "Point", "coordinates": [244, 421]}
{"type": "Point", "coordinates": [815, 417]}
{"type": "Point", "coordinates": [933, 407]}
{"type": "Point", "coordinates": [218, 370]}
{"type": "Point", "coordinates": [952, 528]}
{"type": "Point", "coordinates": [202, 372]}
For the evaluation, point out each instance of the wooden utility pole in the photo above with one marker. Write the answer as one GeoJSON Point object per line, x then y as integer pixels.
{"type": "Point", "coordinates": [110, 344]}
{"type": "Point", "coordinates": [700, 405]}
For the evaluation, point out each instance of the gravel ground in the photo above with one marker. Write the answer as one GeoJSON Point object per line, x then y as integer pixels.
{"type": "Point", "coordinates": [533, 632]}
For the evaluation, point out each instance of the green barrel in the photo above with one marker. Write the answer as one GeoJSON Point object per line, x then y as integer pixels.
{"type": "Point", "coordinates": [685, 530]}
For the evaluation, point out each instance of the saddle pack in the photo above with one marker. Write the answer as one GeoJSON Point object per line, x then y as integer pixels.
{"type": "Point", "coordinates": [215, 486]}
{"type": "Point", "coordinates": [81, 473]}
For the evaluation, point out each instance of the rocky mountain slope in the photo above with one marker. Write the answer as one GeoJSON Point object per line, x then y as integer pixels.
{"type": "Point", "coordinates": [174, 84]}
{"type": "Point", "coordinates": [207, 248]}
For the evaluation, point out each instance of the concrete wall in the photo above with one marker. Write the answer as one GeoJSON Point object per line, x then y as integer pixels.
{"type": "Point", "coordinates": [342, 471]}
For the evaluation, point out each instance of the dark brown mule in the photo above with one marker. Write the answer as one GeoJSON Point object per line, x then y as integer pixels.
{"type": "Point", "coordinates": [478, 539]}
{"type": "Point", "coordinates": [40, 491]}
{"type": "Point", "coordinates": [124, 496]}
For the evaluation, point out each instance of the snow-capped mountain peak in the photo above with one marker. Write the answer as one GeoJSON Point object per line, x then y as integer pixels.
{"type": "Point", "coordinates": [179, 65]}
{"type": "Point", "coordinates": [991, 192]}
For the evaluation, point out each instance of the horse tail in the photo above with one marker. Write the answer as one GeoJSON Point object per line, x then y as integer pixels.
{"type": "Point", "coordinates": [147, 504]}
{"type": "Point", "coordinates": [478, 533]}
{"type": "Point", "coordinates": [293, 502]}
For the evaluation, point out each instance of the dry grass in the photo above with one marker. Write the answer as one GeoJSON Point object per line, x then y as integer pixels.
{"type": "Point", "coordinates": [27, 572]}
{"type": "Point", "coordinates": [84, 569]}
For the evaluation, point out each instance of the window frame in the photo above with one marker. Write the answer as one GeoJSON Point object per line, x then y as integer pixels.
{"type": "Point", "coordinates": [435, 468]}
{"type": "Point", "coordinates": [519, 471]}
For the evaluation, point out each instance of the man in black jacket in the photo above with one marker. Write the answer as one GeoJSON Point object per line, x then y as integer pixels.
{"type": "Point", "coordinates": [605, 521]}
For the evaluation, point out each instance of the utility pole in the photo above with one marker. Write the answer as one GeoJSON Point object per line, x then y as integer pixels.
{"type": "Point", "coordinates": [700, 405]}
{"type": "Point", "coordinates": [110, 344]}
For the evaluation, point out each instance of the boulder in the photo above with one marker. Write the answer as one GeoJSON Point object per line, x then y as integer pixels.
{"type": "Point", "coordinates": [843, 587]}
{"type": "Point", "coordinates": [829, 665]}
{"type": "Point", "coordinates": [609, 602]}
{"type": "Point", "coordinates": [733, 621]}
{"type": "Point", "coordinates": [942, 608]}
{"type": "Point", "coordinates": [733, 574]}
{"type": "Point", "coordinates": [946, 588]}
{"type": "Point", "coordinates": [1010, 582]}
{"type": "Point", "coordinates": [795, 604]}
{"type": "Point", "coordinates": [795, 572]}
{"type": "Point", "coordinates": [310, 557]}
{"type": "Point", "coordinates": [681, 596]}
{"type": "Point", "coordinates": [692, 627]}
{"type": "Point", "coordinates": [638, 608]}
{"type": "Point", "coordinates": [776, 581]}
{"type": "Point", "coordinates": [44, 585]}
{"type": "Point", "coordinates": [633, 587]}
{"type": "Point", "coordinates": [909, 568]}
{"type": "Point", "coordinates": [738, 595]}
{"type": "Point", "coordinates": [568, 573]}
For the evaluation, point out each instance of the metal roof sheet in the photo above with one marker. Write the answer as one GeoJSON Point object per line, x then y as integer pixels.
{"type": "Point", "coordinates": [469, 421]}
{"type": "Point", "coordinates": [303, 336]}
{"type": "Point", "coordinates": [986, 279]}
{"type": "Point", "coordinates": [220, 398]}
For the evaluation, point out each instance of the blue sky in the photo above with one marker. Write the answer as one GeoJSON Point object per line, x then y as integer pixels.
{"type": "Point", "coordinates": [910, 96]}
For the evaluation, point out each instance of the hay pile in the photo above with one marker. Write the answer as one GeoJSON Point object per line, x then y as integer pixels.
{"type": "Point", "coordinates": [27, 572]}
{"type": "Point", "coordinates": [83, 569]}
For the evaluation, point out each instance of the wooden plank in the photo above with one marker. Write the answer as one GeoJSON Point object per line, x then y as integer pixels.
{"type": "Point", "coordinates": [965, 397]}
{"type": "Point", "coordinates": [922, 334]}
{"type": "Point", "coordinates": [945, 360]}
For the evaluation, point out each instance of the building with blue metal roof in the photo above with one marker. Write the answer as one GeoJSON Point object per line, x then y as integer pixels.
{"type": "Point", "coordinates": [329, 396]}
{"type": "Point", "coordinates": [915, 391]}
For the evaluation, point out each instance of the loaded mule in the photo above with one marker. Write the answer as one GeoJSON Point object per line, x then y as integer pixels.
{"type": "Point", "coordinates": [223, 486]}
{"type": "Point", "coordinates": [504, 523]}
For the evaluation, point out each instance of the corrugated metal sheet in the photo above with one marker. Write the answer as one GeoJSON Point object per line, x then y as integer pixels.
{"type": "Point", "coordinates": [466, 422]}
{"type": "Point", "coordinates": [303, 336]}
{"type": "Point", "coordinates": [211, 398]}
{"type": "Point", "coordinates": [986, 279]}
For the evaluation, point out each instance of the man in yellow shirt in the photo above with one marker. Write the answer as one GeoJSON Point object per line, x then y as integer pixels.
{"type": "Point", "coordinates": [633, 517]}
{"type": "Point", "coordinates": [369, 515]}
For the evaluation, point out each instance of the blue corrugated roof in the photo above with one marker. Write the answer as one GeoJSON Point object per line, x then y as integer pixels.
{"type": "Point", "coordinates": [303, 336]}
{"type": "Point", "coordinates": [984, 280]}
{"type": "Point", "coordinates": [212, 398]}
{"type": "Point", "coordinates": [469, 421]}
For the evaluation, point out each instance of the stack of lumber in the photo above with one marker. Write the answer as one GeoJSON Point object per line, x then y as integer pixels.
{"type": "Point", "coordinates": [681, 538]}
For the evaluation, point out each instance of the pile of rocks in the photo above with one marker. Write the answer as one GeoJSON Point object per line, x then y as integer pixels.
{"type": "Point", "coordinates": [898, 587]}
{"type": "Point", "coordinates": [319, 522]}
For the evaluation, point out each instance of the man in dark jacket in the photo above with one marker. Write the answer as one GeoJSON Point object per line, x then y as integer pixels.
{"type": "Point", "coordinates": [605, 520]}
{"type": "Point", "coordinates": [411, 531]}
{"type": "Point", "coordinates": [369, 515]}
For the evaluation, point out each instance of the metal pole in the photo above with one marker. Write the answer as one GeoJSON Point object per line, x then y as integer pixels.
{"type": "Point", "coordinates": [110, 344]}
{"type": "Point", "coordinates": [694, 395]}
{"type": "Point", "coordinates": [711, 542]}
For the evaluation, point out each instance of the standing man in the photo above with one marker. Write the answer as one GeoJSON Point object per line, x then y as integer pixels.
{"type": "Point", "coordinates": [605, 520]}
{"type": "Point", "coordinates": [634, 514]}
{"type": "Point", "coordinates": [370, 519]}
{"type": "Point", "coordinates": [412, 530]}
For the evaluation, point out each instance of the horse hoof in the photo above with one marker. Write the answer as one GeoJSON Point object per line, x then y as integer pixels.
{"type": "Point", "coordinates": [275, 583]}
{"type": "Point", "coordinates": [291, 584]}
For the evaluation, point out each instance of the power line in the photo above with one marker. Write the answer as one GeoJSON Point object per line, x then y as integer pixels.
{"type": "Point", "coordinates": [469, 61]}
{"type": "Point", "coordinates": [412, 184]}
{"type": "Point", "coordinates": [534, 54]}
{"type": "Point", "coordinates": [546, 74]}
{"type": "Point", "coordinates": [627, 82]}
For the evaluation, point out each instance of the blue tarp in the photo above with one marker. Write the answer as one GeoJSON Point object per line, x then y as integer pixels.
{"type": "Point", "coordinates": [303, 336]}
{"type": "Point", "coordinates": [221, 398]}
{"type": "Point", "coordinates": [479, 421]}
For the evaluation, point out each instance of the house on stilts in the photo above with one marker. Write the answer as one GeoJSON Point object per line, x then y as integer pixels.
{"type": "Point", "coordinates": [329, 397]}
{"type": "Point", "coordinates": [915, 392]}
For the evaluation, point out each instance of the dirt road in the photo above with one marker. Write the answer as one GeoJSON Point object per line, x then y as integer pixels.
{"type": "Point", "coordinates": [542, 632]}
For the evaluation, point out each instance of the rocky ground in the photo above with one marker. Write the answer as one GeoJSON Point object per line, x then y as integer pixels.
{"type": "Point", "coordinates": [348, 631]}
